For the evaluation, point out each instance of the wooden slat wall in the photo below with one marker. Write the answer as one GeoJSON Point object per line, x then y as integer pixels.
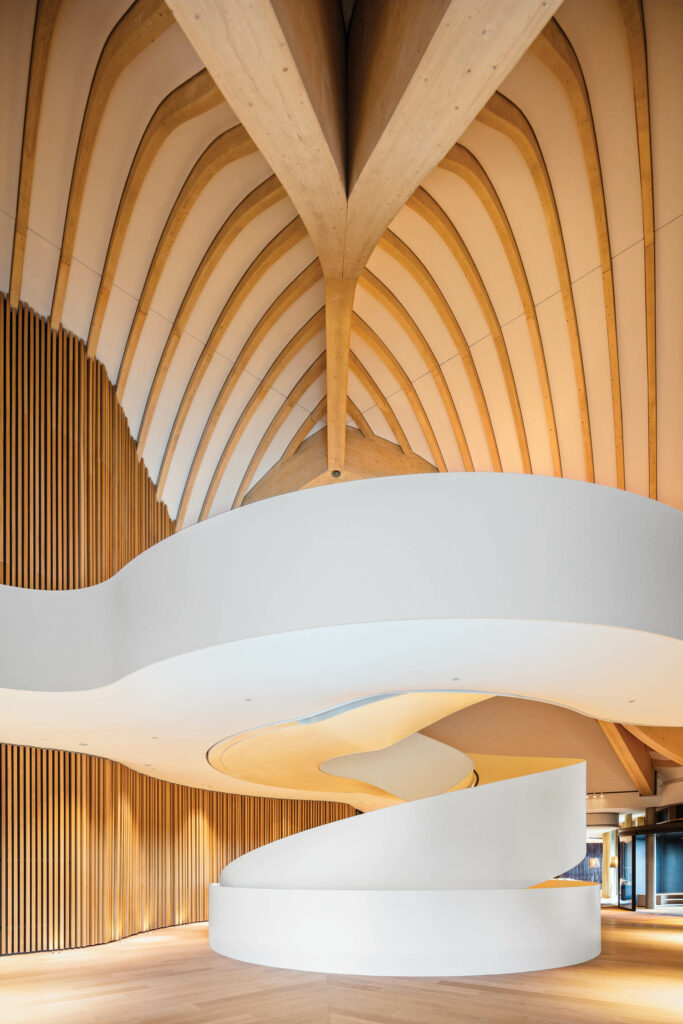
{"type": "Point", "coordinates": [92, 851]}
{"type": "Point", "coordinates": [76, 504]}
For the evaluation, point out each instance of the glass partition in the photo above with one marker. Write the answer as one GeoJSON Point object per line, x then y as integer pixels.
{"type": "Point", "coordinates": [626, 873]}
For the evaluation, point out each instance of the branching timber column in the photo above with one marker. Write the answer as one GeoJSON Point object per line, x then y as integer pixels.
{"type": "Point", "coordinates": [351, 152]}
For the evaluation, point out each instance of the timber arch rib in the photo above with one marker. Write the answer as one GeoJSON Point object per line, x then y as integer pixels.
{"type": "Point", "coordinates": [301, 261]}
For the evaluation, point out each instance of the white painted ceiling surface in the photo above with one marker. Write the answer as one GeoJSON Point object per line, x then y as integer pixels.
{"type": "Point", "coordinates": [597, 33]}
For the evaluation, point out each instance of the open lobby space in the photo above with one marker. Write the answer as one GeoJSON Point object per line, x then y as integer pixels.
{"type": "Point", "coordinates": [341, 512]}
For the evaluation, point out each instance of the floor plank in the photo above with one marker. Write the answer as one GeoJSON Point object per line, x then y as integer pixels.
{"type": "Point", "coordinates": [172, 977]}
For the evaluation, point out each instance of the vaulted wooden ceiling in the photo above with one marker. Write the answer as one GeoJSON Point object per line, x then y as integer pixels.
{"type": "Point", "coordinates": [521, 312]}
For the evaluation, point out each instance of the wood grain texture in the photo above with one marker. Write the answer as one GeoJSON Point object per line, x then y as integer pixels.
{"type": "Point", "coordinates": [46, 16]}
{"type": "Point", "coordinates": [257, 202]}
{"type": "Point", "coordinates": [94, 851]}
{"type": "Point", "coordinates": [191, 99]}
{"type": "Point", "coordinates": [382, 403]}
{"type": "Point", "coordinates": [172, 977]}
{"type": "Point", "coordinates": [76, 504]}
{"type": "Point", "coordinates": [503, 116]}
{"type": "Point", "coordinates": [418, 73]}
{"type": "Point", "coordinates": [304, 463]}
{"type": "Point", "coordinates": [142, 23]}
{"type": "Point", "coordinates": [633, 754]}
{"type": "Point", "coordinates": [405, 257]}
{"type": "Point", "coordinates": [298, 287]}
{"type": "Point", "coordinates": [461, 162]}
{"type": "Point", "coordinates": [233, 144]}
{"type": "Point", "coordinates": [278, 247]}
{"type": "Point", "coordinates": [422, 203]}
{"type": "Point", "coordinates": [665, 739]}
{"type": "Point", "coordinates": [339, 293]}
{"type": "Point", "coordinates": [313, 326]}
{"type": "Point", "coordinates": [379, 291]}
{"type": "Point", "coordinates": [308, 377]}
{"type": "Point", "coordinates": [634, 20]}
{"type": "Point", "coordinates": [380, 349]}
{"type": "Point", "coordinates": [282, 72]}
{"type": "Point", "coordinates": [553, 47]}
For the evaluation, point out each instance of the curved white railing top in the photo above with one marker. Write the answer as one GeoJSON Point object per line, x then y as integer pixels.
{"type": "Point", "coordinates": [508, 834]}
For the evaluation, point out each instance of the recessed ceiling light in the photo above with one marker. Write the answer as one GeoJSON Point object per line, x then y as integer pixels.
{"type": "Point", "coordinates": [247, 700]}
{"type": "Point", "coordinates": [147, 764]}
{"type": "Point", "coordinates": [155, 737]}
{"type": "Point", "coordinates": [631, 700]}
{"type": "Point", "coordinates": [455, 679]}
{"type": "Point", "coordinates": [83, 744]}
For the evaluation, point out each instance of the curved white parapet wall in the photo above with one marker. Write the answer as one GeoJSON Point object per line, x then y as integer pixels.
{"type": "Point", "coordinates": [438, 886]}
{"type": "Point", "coordinates": [452, 546]}
{"type": "Point", "coordinates": [534, 587]}
{"type": "Point", "coordinates": [419, 934]}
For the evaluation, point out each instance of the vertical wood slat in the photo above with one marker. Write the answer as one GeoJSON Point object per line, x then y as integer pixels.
{"type": "Point", "coordinates": [75, 503]}
{"type": "Point", "coordinates": [93, 851]}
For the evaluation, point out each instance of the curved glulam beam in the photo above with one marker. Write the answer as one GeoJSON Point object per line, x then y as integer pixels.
{"type": "Point", "coordinates": [46, 16]}
{"type": "Point", "coordinates": [144, 22]}
{"type": "Point", "coordinates": [633, 15]}
{"type": "Point", "coordinates": [379, 291]}
{"type": "Point", "coordinates": [360, 421]}
{"type": "Point", "coordinates": [312, 326]}
{"type": "Point", "coordinates": [422, 203]}
{"type": "Point", "coordinates": [666, 740]}
{"type": "Point", "coordinates": [461, 162]}
{"type": "Point", "coordinates": [285, 240]}
{"type": "Point", "coordinates": [302, 432]}
{"type": "Point", "coordinates": [634, 756]}
{"type": "Point", "coordinates": [189, 100]}
{"type": "Point", "coordinates": [260, 199]}
{"type": "Point", "coordinates": [309, 377]}
{"type": "Point", "coordinates": [294, 291]}
{"type": "Point", "coordinates": [405, 257]}
{"type": "Point", "coordinates": [503, 116]}
{"type": "Point", "coordinates": [557, 53]}
{"type": "Point", "coordinates": [378, 347]}
{"type": "Point", "coordinates": [377, 396]}
{"type": "Point", "coordinates": [228, 147]}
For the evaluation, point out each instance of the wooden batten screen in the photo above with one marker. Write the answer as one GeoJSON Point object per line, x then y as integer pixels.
{"type": "Point", "coordinates": [93, 851]}
{"type": "Point", "coordinates": [76, 504]}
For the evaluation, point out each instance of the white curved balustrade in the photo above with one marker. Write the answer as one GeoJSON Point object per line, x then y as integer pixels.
{"type": "Point", "coordinates": [437, 886]}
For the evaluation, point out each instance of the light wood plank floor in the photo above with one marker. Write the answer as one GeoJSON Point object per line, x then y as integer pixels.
{"type": "Point", "coordinates": [172, 977]}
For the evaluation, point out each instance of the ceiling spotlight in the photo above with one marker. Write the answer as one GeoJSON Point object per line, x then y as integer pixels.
{"type": "Point", "coordinates": [155, 737]}
{"type": "Point", "coordinates": [83, 744]}
{"type": "Point", "coordinates": [336, 473]}
{"type": "Point", "coordinates": [631, 700]}
{"type": "Point", "coordinates": [247, 700]}
{"type": "Point", "coordinates": [147, 764]}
